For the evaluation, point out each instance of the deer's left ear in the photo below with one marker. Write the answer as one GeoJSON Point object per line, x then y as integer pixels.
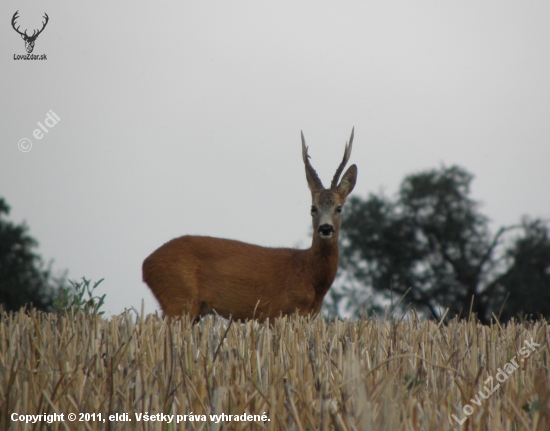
{"type": "Point", "coordinates": [348, 181]}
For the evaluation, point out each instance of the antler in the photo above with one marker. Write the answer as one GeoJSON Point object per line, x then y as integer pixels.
{"type": "Point", "coordinates": [34, 34]}
{"type": "Point", "coordinates": [43, 26]}
{"type": "Point", "coordinates": [310, 172]}
{"type": "Point", "coordinates": [13, 24]}
{"type": "Point", "coordinates": [347, 153]}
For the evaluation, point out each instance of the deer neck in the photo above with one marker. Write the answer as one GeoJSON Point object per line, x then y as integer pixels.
{"type": "Point", "coordinates": [323, 262]}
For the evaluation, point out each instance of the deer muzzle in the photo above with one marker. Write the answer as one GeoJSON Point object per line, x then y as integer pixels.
{"type": "Point", "coordinates": [326, 231]}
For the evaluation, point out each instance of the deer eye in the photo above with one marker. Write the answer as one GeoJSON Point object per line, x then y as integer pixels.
{"type": "Point", "coordinates": [313, 209]}
{"type": "Point", "coordinates": [338, 209]}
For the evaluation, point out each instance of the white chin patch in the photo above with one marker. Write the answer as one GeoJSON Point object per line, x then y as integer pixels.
{"type": "Point", "coordinates": [326, 236]}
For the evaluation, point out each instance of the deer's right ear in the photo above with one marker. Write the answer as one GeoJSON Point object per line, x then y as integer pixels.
{"type": "Point", "coordinates": [348, 181]}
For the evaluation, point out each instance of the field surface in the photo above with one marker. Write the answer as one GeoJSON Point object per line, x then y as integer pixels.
{"type": "Point", "coordinates": [134, 373]}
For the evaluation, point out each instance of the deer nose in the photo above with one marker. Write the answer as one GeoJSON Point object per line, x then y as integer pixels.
{"type": "Point", "coordinates": [326, 230]}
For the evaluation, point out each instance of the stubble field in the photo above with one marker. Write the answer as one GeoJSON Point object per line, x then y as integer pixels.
{"type": "Point", "coordinates": [292, 374]}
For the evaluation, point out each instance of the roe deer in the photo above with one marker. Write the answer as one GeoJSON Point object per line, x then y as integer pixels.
{"type": "Point", "coordinates": [201, 275]}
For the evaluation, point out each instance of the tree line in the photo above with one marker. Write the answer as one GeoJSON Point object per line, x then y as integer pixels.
{"type": "Point", "coordinates": [432, 248]}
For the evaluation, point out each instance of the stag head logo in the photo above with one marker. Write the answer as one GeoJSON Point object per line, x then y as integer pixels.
{"type": "Point", "coordinates": [29, 40]}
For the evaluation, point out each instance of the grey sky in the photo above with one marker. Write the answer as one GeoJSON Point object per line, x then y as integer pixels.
{"type": "Point", "coordinates": [185, 117]}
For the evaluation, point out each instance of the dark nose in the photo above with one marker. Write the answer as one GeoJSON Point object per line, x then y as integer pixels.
{"type": "Point", "coordinates": [326, 229]}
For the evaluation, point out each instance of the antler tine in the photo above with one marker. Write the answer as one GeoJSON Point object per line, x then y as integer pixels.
{"type": "Point", "coordinates": [15, 16]}
{"type": "Point", "coordinates": [47, 19]}
{"type": "Point", "coordinates": [43, 24]}
{"type": "Point", "coordinates": [309, 169]}
{"type": "Point", "coordinates": [347, 153]}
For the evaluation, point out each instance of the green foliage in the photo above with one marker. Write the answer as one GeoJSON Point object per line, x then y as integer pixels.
{"type": "Point", "coordinates": [525, 285]}
{"type": "Point", "coordinates": [25, 281]}
{"type": "Point", "coordinates": [529, 407]}
{"type": "Point", "coordinates": [73, 298]}
{"type": "Point", "coordinates": [433, 242]}
{"type": "Point", "coordinates": [24, 278]}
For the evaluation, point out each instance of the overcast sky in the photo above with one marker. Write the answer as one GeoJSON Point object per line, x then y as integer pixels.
{"type": "Point", "coordinates": [184, 117]}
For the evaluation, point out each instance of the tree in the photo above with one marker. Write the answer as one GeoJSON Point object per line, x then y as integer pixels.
{"type": "Point", "coordinates": [524, 288]}
{"type": "Point", "coordinates": [433, 243]}
{"type": "Point", "coordinates": [24, 279]}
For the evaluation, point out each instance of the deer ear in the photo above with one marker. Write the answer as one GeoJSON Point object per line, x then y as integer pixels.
{"type": "Point", "coordinates": [348, 181]}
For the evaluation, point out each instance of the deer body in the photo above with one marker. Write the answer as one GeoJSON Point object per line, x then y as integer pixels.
{"type": "Point", "coordinates": [201, 275]}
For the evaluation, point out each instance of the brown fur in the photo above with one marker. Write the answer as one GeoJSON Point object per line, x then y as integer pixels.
{"type": "Point", "coordinates": [200, 275]}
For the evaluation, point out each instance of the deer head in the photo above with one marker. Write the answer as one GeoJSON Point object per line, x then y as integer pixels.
{"type": "Point", "coordinates": [29, 40]}
{"type": "Point", "coordinates": [326, 205]}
